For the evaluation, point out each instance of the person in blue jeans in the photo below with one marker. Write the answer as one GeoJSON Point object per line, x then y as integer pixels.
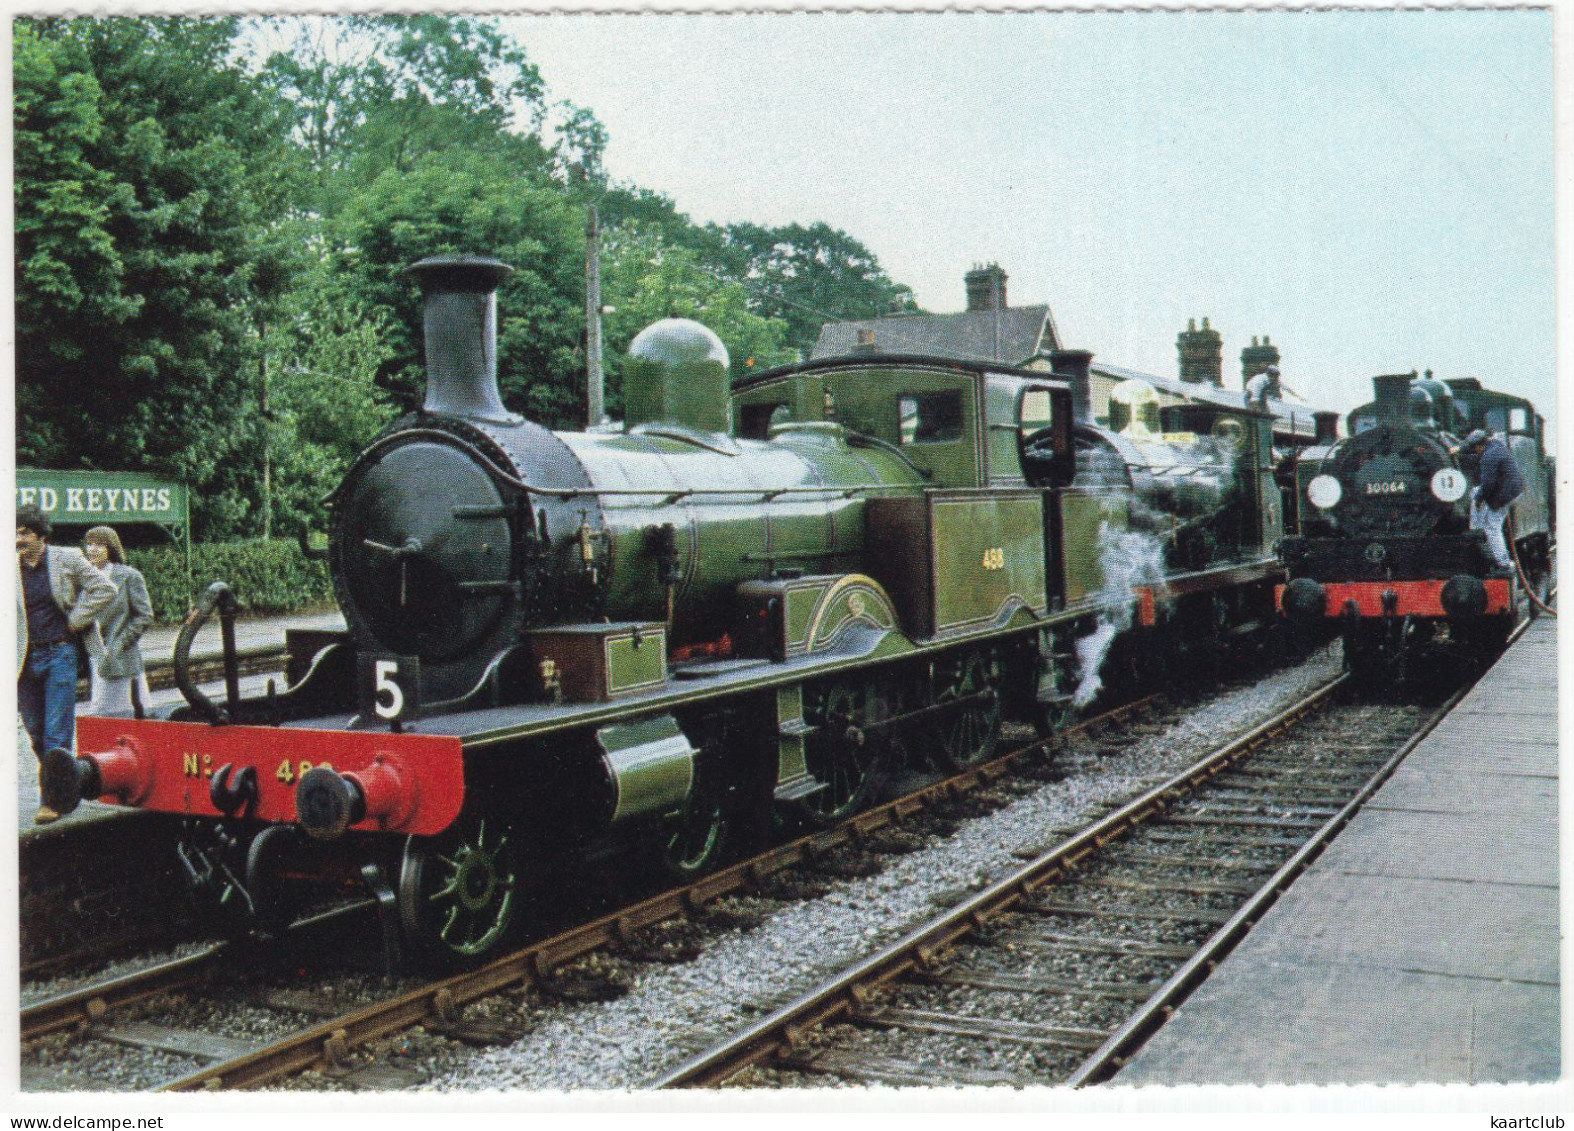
{"type": "Point", "coordinates": [62, 595]}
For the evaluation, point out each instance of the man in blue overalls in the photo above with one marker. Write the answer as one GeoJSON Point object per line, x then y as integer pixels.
{"type": "Point", "coordinates": [1498, 484]}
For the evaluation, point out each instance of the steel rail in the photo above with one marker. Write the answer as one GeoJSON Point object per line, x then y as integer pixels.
{"type": "Point", "coordinates": [843, 993]}
{"type": "Point", "coordinates": [1113, 1054]}
{"type": "Point", "coordinates": [330, 1041]}
{"type": "Point", "coordinates": [90, 1004]}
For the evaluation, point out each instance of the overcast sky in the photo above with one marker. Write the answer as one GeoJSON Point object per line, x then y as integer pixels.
{"type": "Point", "coordinates": [1374, 190]}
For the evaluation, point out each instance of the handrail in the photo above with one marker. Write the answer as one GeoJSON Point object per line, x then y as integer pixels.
{"type": "Point", "coordinates": [303, 535]}
{"type": "Point", "coordinates": [216, 596]}
{"type": "Point", "coordinates": [672, 493]}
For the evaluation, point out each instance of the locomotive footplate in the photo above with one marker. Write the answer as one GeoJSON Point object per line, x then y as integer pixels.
{"type": "Point", "coordinates": [1150, 598]}
{"type": "Point", "coordinates": [408, 783]}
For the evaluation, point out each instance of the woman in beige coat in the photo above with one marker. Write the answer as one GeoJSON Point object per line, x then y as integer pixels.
{"type": "Point", "coordinates": [113, 645]}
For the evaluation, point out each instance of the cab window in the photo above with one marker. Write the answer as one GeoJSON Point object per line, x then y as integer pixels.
{"type": "Point", "coordinates": [755, 420]}
{"type": "Point", "coordinates": [1035, 413]}
{"type": "Point", "coordinates": [1044, 439]}
{"type": "Point", "coordinates": [929, 418]}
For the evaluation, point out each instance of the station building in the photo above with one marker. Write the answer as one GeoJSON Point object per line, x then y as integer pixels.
{"type": "Point", "coordinates": [990, 329]}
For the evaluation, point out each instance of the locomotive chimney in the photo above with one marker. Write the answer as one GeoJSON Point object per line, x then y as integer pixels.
{"type": "Point", "coordinates": [460, 324]}
{"type": "Point", "coordinates": [1327, 426]}
{"type": "Point", "coordinates": [1073, 365]}
{"type": "Point", "coordinates": [1393, 398]}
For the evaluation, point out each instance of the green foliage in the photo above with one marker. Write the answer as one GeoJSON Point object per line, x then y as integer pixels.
{"type": "Point", "coordinates": [146, 165]}
{"type": "Point", "coordinates": [377, 93]}
{"type": "Point", "coordinates": [808, 276]}
{"type": "Point", "coordinates": [645, 278]}
{"type": "Point", "coordinates": [268, 577]}
{"type": "Point", "coordinates": [473, 204]}
{"type": "Point", "coordinates": [582, 143]}
{"type": "Point", "coordinates": [208, 249]}
{"type": "Point", "coordinates": [323, 356]}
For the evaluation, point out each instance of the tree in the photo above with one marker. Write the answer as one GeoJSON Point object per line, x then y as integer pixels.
{"type": "Point", "coordinates": [808, 276]}
{"type": "Point", "coordinates": [374, 93]}
{"type": "Point", "coordinates": [645, 278]}
{"type": "Point", "coordinates": [581, 145]}
{"type": "Point", "coordinates": [146, 166]}
{"type": "Point", "coordinates": [68, 267]}
{"type": "Point", "coordinates": [197, 233]}
{"type": "Point", "coordinates": [476, 205]}
{"type": "Point", "coordinates": [325, 405]}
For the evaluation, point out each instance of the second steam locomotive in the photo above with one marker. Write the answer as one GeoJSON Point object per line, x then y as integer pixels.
{"type": "Point", "coordinates": [1385, 549]}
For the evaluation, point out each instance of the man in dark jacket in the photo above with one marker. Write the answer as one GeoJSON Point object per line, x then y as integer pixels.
{"type": "Point", "coordinates": [62, 594]}
{"type": "Point", "coordinates": [1498, 484]}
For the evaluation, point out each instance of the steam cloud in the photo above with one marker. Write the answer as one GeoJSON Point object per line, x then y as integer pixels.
{"type": "Point", "coordinates": [1200, 482]}
{"type": "Point", "coordinates": [1128, 559]}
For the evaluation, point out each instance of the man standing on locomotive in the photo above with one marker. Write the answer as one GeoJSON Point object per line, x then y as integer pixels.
{"type": "Point", "coordinates": [62, 594]}
{"type": "Point", "coordinates": [1498, 483]}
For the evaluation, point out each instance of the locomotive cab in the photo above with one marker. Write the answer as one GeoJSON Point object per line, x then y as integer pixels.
{"type": "Point", "coordinates": [961, 424]}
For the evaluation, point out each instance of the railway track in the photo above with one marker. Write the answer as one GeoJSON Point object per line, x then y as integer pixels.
{"type": "Point", "coordinates": [98, 1009]}
{"type": "Point", "coordinates": [350, 1045]}
{"type": "Point", "coordinates": [90, 1004]}
{"type": "Point", "coordinates": [1056, 973]}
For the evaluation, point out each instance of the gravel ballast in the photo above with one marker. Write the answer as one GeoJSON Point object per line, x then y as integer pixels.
{"type": "Point", "coordinates": [674, 1011]}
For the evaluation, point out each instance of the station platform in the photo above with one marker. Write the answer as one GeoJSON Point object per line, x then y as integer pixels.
{"type": "Point", "coordinates": [1423, 945]}
{"type": "Point", "coordinates": [251, 634]}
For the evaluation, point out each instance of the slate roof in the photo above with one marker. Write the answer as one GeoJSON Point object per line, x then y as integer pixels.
{"type": "Point", "coordinates": [1290, 416]}
{"type": "Point", "coordinates": [1025, 331]}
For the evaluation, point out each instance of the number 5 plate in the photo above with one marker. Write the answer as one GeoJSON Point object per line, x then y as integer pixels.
{"type": "Point", "coordinates": [388, 687]}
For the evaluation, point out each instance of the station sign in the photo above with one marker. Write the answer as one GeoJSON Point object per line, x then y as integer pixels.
{"type": "Point", "coordinates": [107, 497]}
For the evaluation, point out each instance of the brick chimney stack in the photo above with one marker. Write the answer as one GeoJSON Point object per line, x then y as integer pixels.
{"type": "Point", "coordinates": [1255, 358]}
{"type": "Point", "coordinates": [1201, 354]}
{"type": "Point", "coordinates": [984, 286]}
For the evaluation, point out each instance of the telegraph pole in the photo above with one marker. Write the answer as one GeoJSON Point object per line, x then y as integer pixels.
{"type": "Point", "coordinates": [593, 375]}
{"type": "Point", "coordinates": [262, 411]}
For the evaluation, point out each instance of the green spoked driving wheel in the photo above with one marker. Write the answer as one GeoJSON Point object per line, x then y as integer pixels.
{"type": "Point", "coordinates": [459, 892]}
{"type": "Point", "coordinates": [837, 750]}
{"type": "Point", "coordinates": [698, 835]}
{"type": "Point", "coordinates": [969, 733]}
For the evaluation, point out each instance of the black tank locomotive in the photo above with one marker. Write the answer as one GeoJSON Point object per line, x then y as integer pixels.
{"type": "Point", "coordinates": [1385, 545]}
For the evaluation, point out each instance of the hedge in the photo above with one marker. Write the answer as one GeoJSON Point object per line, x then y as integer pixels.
{"type": "Point", "coordinates": [268, 577]}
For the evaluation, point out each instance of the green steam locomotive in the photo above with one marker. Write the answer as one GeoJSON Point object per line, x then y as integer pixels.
{"type": "Point", "coordinates": [745, 605]}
